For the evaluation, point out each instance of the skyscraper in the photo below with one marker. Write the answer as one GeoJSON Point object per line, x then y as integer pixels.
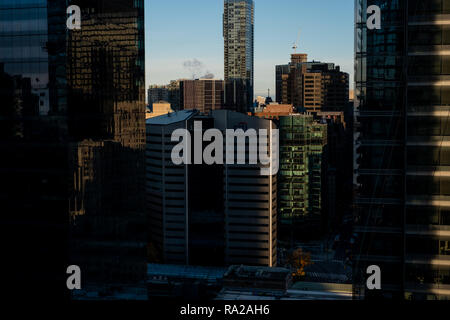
{"type": "Point", "coordinates": [302, 148]}
{"type": "Point", "coordinates": [73, 169]}
{"type": "Point", "coordinates": [34, 148]}
{"type": "Point", "coordinates": [316, 86]}
{"type": "Point", "coordinates": [281, 74]}
{"type": "Point", "coordinates": [402, 99]}
{"type": "Point", "coordinates": [238, 33]}
{"type": "Point", "coordinates": [219, 214]}
{"type": "Point", "coordinates": [106, 106]}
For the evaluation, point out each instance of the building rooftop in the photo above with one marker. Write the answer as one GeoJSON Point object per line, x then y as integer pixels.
{"type": "Point", "coordinates": [257, 273]}
{"type": "Point", "coordinates": [105, 292]}
{"type": "Point", "coordinates": [204, 79]}
{"type": "Point", "coordinates": [171, 118]}
{"type": "Point", "coordinates": [299, 291]}
{"type": "Point", "coordinates": [163, 271]}
{"type": "Point", "coordinates": [279, 108]}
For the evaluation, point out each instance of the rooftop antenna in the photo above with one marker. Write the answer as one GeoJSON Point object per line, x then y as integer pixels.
{"type": "Point", "coordinates": [268, 92]}
{"type": "Point", "coordinates": [295, 46]}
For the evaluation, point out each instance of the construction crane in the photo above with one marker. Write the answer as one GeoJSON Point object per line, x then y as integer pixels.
{"type": "Point", "coordinates": [295, 46]}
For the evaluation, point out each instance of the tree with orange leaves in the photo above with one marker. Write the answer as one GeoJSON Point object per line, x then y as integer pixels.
{"type": "Point", "coordinates": [298, 260]}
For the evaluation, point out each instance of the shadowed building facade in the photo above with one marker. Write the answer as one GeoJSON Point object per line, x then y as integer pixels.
{"type": "Point", "coordinates": [157, 93]}
{"type": "Point", "coordinates": [209, 214]}
{"type": "Point", "coordinates": [73, 176]}
{"type": "Point", "coordinates": [106, 106]}
{"type": "Point", "coordinates": [402, 106]}
{"type": "Point", "coordinates": [300, 179]}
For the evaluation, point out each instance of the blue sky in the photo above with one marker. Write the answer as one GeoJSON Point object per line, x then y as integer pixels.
{"type": "Point", "coordinates": [183, 30]}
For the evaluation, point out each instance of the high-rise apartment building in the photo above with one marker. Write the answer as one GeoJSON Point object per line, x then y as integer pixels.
{"type": "Point", "coordinates": [72, 173]}
{"type": "Point", "coordinates": [238, 33]}
{"type": "Point", "coordinates": [300, 179]}
{"type": "Point", "coordinates": [312, 91]}
{"type": "Point", "coordinates": [402, 99]}
{"type": "Point", "coordinates": [219, 214]}
{"type": "Point", "coordinates": [203, 95]}
{"type": "Point", "coordinates": [174, 94]}
{"type": "Point", "coordinates": [314, 85]}
{"type": "Point", "coordinates": [330, 135]}
{"type": "Point", "coordinates": [289, 80]}
{"type": "Point", "coordinates": [281, 75]}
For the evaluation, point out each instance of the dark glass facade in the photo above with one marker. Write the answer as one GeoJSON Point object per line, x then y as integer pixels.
{"type": "Point", "coordinates": [402, 106]}
{"type": "Point", "coordinates": [73, 136]}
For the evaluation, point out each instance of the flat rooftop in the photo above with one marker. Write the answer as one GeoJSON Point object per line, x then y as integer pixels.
{"type": "Point", "coordinates": [242, 272]}
{"type": "Point", "coordinates": [171, 118]}
{"type": "Point", "coordinates": [155, 271]}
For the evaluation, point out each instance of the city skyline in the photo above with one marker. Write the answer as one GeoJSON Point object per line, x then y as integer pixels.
{"type": "Point", "coordinates": [276, 29]}
{"type": "Point", "coordinates": [199, 193]}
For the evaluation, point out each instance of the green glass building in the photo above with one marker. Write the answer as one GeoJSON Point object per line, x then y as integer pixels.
{"type": "Point", "coordinates": [302, 146]}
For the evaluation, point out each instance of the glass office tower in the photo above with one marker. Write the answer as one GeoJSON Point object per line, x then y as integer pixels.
{"type": "Point", "coordinates": [72, 137]}
{"type": "Point", "coordinates": [34, 147]}
{"type": "Point", "coordinates": [238, 33]}
{"type": "Point", "coordinates": [402, 106]}
{"type": "Point", "coordinates": [302, 147]}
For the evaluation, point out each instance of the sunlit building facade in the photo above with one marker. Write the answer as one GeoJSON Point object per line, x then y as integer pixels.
{"type": "Point", "coordinates": [203, 95]}
{"type": "Point", "coordinates": [316, 86]}
{"type": "Point", "coordinates": [238, 33]}
{"type": "Point", "coordinates": [220, 214]}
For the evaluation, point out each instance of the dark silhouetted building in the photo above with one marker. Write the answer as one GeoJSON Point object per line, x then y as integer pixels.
{"type": "Point", "coordinates": [157, 93]}
{"type": "Point", "coordinates": [257, 279]}
{"type": "Point", "coordinates": [236, 96]}
{"type": "Point", "coordinates": [169, 93]}
{"type": "Point", "coordinates": [402, 106]}
{"type": "Point", "coordinates": [337, 190]}
{"type": "Point", "coordinates": [72, 138]}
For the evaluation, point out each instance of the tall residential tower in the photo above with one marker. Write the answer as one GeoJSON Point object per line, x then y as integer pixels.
{"type": "Point", "coordinates": [238, 33]}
